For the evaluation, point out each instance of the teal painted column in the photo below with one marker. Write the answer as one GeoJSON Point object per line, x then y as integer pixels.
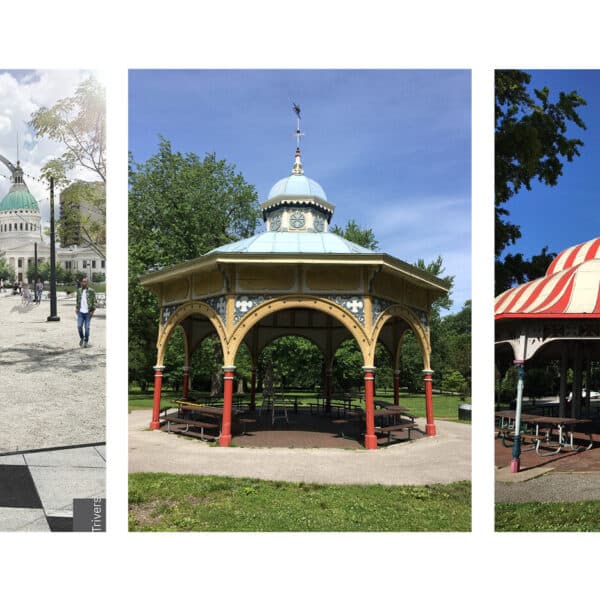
{"type": "Point", "coordinates": [516, 451]}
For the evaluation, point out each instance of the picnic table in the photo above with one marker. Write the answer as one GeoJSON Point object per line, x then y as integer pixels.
{"type": "Point", "coordinates": [539, 429]}
{"type": "Point", "coordinates": [563, 425]}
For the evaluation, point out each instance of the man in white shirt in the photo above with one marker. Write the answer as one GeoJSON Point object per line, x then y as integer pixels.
{"type": "Point", "coordinates": [85, 307]}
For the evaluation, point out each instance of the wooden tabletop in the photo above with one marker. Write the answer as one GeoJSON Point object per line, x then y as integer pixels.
{"type": "Point", "coordinates": [207, 410]}
{"type": "Point", "coordinates": [511, 414]}
{"type": "Point", "coordinates": [559, 420]}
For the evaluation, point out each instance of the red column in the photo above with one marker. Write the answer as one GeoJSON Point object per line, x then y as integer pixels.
{"type": "Point", "coordinates": [396, 388]}
{"type": "Point", "coordinates": [225, 437]}
{"type": "Point", "coordinates": [428, 379]}
{"type": "Point", "coordinates": [186, 382]}
{"type": "Point", "coordinates": [158, 377]}
{"type": "Point", "coordinates": [370, 437]}
{"type": "Point", "coordinates": [253, 390]}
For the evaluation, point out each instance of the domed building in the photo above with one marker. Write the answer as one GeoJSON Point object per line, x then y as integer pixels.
{"type": "Point", "coordinates": [21, 230]}
{"type": "Point", "coordinates": [20, 225]}
{"type": "Point", "coordinates": [297, 278]}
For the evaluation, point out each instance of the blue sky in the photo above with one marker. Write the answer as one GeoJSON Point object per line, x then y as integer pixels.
{"type": "Point", "coordinates": [390, 148]}
{"type": "Point", "coordinates": [565, 214]}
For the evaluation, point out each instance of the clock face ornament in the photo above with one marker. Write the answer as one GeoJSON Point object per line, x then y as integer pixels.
{"type": "Point", "coordinates": [276, 223]}
{"type": "Point", "coordinates": [297, 220]}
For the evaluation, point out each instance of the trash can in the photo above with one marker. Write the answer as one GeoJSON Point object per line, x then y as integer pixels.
{"type": "Point", "coordinates": [464, 412]}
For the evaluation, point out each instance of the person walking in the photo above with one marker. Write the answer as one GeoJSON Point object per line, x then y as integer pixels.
{"type": "Point", "coordinates": [39, 288]}
{"type": "Point", "coordinates": [84, 309]}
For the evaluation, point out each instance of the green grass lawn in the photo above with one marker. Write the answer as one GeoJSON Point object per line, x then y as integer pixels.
{"type": "Point", "coordinates": [444, 407]}
{"type": "Point", "coordinates": [548, 516]}
{"type": "Point", "coordinates": [167, 502]}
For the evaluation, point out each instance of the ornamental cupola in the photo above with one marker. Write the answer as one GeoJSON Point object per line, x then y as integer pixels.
{"type": "Point", "coordinates": [297, 203]}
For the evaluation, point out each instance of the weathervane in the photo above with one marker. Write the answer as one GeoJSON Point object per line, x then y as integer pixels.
{"type": "Point", "coordinates": [297, 170]}
{"type": "Point", "coordinates": [298, 132]}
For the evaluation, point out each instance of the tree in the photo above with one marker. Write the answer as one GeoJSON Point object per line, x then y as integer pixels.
{"type": "Point", "coordinates": [79, 123]}
{"type": "Point", "coordinates": [514, 269]}
{"type": "Point", "coordinates": [6, 271]}
{"type": "Point", "coordinates": [354, 233]}
{"type": "Point", "coordinates": [450, 338]}
{"type": "Point", "coordinates": [530, 143]}
{"type": "Point", "coordinates": [180, 207]}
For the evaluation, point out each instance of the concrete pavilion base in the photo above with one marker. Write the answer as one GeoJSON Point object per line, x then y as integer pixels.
{"type": "Point", "coordinates": [441, 459]}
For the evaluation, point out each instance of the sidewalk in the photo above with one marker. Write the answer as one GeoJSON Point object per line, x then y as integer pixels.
{"type": "Point", "coordinates": [37, 489]}
{"type": "Point", "coordinates": [444, 458]}
{"type": "Point", "coordinates": [52, 391]}
{"type": "Point", "coordinates": [52, 414]}
{"type": "Point", "coordinates": [551, 487]}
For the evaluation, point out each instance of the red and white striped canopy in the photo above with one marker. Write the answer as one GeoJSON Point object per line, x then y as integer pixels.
{"type": "Point", "coordinates": [570, 288]}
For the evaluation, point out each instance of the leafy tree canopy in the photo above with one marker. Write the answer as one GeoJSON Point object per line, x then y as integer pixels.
{"type": "Point", "coordinates": [6, 271]}
{"type": "Point", "coordinates": [531, 142]}
{"type": "Point", "coordinates": [180, 207]}
{"type": "Point", "coordinates": [78, 123]}
{"type": "Point", "coordinates": [353, 233]}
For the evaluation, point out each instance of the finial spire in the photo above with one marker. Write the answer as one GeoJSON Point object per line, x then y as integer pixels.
{"type": "Point", "coordinates": [297, 168]}
{"type": "Point", "coordinates": [17, 147]}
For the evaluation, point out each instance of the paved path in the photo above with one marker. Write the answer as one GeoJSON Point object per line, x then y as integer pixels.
{"type": "Point", "coordinates": [52, 391]}
{"type": "Point", "coordinates": [441, 459]}
{"type": "Point", "coordinates": [37, 489]}
{"type": "Point", "coordinates": [51, 396]}
{"type": "Point", "coordinates": [551, 487]}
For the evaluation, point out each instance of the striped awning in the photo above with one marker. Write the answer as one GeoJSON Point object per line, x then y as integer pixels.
{"type": "Point", "coordinates": [570, 288]}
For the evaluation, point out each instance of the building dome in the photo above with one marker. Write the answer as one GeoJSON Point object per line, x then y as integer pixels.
{"type": "Point", "coordinates": [297, 186]}
{"type": "Point", "coordinates": [297, 203]}
{"type": "Point", "coordinates": [18, 199]}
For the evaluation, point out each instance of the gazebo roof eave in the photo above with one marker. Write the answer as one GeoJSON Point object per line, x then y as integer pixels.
{"type": "Point", "coordinates": [383, 260]}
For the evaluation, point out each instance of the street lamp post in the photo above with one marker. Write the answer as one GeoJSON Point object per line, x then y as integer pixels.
{"type": "Point", "coordinates": [53, 313]}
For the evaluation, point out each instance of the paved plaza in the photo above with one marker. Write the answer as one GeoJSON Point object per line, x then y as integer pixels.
{"type": "Point", "coordinates": [52, 402]}
{"type": "Point", "coordinates": [562, 477]}
{"type": "Point", "coordinates": [444, 458]}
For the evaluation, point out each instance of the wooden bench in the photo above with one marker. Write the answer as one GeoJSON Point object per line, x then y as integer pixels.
{"type": "Point", "coordinates": [390, 429]}
{"type": "Point", "coordinates": [190, 423]}
{"type": "Point", "coordinates": [245, 421]}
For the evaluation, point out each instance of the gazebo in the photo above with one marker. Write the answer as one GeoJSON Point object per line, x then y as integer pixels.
{"type": "Point", "coordinates": [295, 278]}
{"type": "Point", "coordinates": [555, 317]}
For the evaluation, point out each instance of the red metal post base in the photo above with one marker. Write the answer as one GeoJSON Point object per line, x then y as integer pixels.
{"type": "Point", "coordinates": [158, 377]}
{"type": "Point", "coordinates": [428, 379]}
{"type": "Point", "coordinates": [515, 465]}
{"type": "Point", "coordinates": [225, 437]}
{"type": "Point", "coordinates": [370, 437]}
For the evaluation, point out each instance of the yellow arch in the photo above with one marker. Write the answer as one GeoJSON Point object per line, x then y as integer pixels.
{"type": "Point", "coordinates": [194, 307]}
{"type": "Point", "coordinates": [328, 307]}
{"type": "Point", "coordinates": [407, 315]}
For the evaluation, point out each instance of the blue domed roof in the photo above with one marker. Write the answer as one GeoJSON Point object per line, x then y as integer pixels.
{"type": "Point", "coordinates": [297, 186]}
{"type": "Point", "coordinates": [18, 199]}
{"type": "Point", "coordinates": [273, 242]}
